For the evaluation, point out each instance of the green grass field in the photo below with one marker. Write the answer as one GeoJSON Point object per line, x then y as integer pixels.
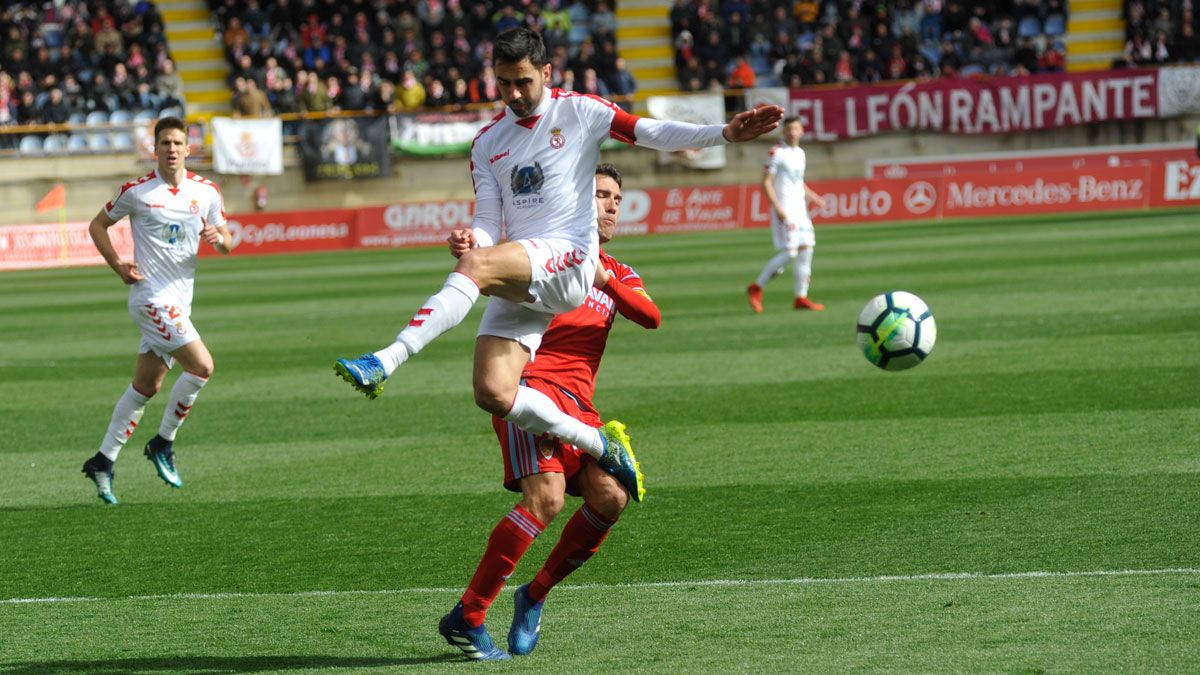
{"type": "Point", "coordinates": [1025, 501]}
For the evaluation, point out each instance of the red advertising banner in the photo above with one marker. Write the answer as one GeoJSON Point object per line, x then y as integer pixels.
{"type": "Point", "coordinates": [1068, 158]}
{"type": "Point", "coordinates": [1176, 183]}
{"type": "Point", "coordinates": [290, 231]}
{"type": "Point", "coordinates": [716, 207]}
{"type": "Point", "coordinates": [1099, 189]}
{"type": "Point", "coordinates": [986, 106]}
{"type": "Point", "coordinates": [412, 223]}
{"type": "Point", "coordinates": [52, 245]}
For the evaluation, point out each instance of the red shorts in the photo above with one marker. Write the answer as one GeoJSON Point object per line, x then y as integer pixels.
{"type": "Point", "coordinates": [526, 454]}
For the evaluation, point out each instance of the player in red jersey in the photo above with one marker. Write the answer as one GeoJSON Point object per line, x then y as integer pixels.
{"type": "Point", "coordinates": [171, 210]}
{"type": "Point", "coordinates": [542, 468]}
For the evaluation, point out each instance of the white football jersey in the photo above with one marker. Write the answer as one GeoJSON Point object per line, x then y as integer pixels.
{"type": "Point", "coordinates": [786, 166]}
{"type": "Point", "coordinates": [166, 224]}
{"type": "Point", "coordinates": [543, 167]}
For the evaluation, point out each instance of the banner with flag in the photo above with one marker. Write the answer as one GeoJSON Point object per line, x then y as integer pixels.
{"type": "Point", "coordinates": [248, 146]}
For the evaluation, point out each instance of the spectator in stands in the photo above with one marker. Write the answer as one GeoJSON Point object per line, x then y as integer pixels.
{"type": "Point", "coordinates": [621, 84]}
{"type": "Point", "coordinates": [410, 93]}
{"type": "Point", "coordinates": [55, 110]}
{"type": "Point", "coordinates": [742, 75]}
{"type": "Point", "coordinates": [170, 86]}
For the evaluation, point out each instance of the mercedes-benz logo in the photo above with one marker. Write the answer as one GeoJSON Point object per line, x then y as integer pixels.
{"type": "Point", "coordinates": [920, 197]}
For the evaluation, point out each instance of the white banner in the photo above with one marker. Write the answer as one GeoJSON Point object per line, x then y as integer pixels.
{"type": "Point", "coordinates": [248, 146]}
{"type": "Point", "coordinates": [702, 109]}
{"type": "Point", "coordinates": [1178, 90]}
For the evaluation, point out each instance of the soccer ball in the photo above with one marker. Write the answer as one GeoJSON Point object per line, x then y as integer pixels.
{"type": "Point", "coordinates": [896, 330]}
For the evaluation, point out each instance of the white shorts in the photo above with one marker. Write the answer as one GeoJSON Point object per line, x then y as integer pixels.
{"type": "Point", "coordinates": [165, 328]}
{"type": "Point", "coordinates": [792, 235]}
{"type": "Point", "coordinates": [562, 273]}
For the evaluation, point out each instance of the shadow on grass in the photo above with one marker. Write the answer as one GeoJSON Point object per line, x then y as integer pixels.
{"type": "Point", "coordinates": [218, 664]}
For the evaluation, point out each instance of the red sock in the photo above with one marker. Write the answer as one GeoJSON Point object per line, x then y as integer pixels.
{"type": "Point", "coordinates": [509, 541]}
{"type": "Point", "coordinates": [582, 536]}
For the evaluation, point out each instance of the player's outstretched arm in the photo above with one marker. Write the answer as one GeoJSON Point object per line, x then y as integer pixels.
{"type": "Point", "coordinates": [98, 229]}
{"type": "Point", "coordinates": [750, 124]}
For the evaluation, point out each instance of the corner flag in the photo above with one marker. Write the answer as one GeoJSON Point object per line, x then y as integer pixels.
{"type": "Point", "coordinates": [55, 199]}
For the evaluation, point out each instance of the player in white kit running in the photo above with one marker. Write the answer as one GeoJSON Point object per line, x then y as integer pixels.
{"type": "Point", "coordinates": [171, 210]}
{"type": "Point", "coordinates": [791, 226]}
{"type": "Point", "coordinates": [533, 169]}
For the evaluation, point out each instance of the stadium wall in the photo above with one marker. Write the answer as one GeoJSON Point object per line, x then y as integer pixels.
{"type": "Point", "coordinates": [92, 179]}
{"type": "Point", "coordinates": [1045, 183]}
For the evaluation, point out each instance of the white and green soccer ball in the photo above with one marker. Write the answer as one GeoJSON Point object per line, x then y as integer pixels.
{"type": "Point", "coordinates": [896, 330]}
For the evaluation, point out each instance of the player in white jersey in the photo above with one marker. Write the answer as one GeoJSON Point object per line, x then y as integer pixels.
{"type": "Point", "coordinates": [171, 210]}
{"type": "Point", "coordinates": [791, 226]}
{"type": "Point", "coordinates": [533, 169]}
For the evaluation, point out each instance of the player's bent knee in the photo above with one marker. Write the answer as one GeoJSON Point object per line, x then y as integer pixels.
{"type": "Point", "coordinates": [496, 402]}
{"type": "Point", "coordinates": [608, 497]}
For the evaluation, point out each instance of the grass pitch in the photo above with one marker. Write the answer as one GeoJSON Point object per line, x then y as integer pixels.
{"type": "Point", "coordinates": [1026, 500]}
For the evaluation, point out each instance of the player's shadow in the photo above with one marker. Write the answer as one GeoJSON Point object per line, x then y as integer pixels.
{"type": "Point", "coordinates": [218, 664]}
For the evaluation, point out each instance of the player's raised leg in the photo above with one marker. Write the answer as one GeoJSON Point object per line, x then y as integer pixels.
{"type": "Point", "coordinates": [604, 500]}
{"type": "Point", "coordinates": [147, 379]}
{"type": "Point", "coordinates": [500, 271]}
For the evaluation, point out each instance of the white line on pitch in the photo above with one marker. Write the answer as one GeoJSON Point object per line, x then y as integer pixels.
{"type": "Point", "coordinates": [802, 581]}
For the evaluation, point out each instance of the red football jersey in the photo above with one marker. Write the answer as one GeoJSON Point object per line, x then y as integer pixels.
{"type": "Point", "coordinates": [572, 346]}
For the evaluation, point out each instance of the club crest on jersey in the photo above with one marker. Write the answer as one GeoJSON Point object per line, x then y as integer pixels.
{"type": "Point", "coordinates": [546, 447]}
{"type": "Point", "coordinates": [557, 140]}
{"type": "Point", "coordinates": [195, 207]}
{"type": "Point", "coordinates": [526, 183]}
{"type": "Point", "coordinates": [172, 233]}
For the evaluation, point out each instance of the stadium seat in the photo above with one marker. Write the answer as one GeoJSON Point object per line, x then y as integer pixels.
{"type": "Point", "coordinates": [120, 117]}
{"type": "Point", "coordinates": [99, 142]}
{"type": "Point", "coordinates": [55, 144]}
{"type": "Point", "coordinates": [1055, 25]}
{"type": "Point", "coordinates": [1029, 27]}
{"type": "Point", "coordinates": [76, 118]}
{"type": "Point", "coordinates": [172, 111]}
{"type": "Point", "coordinates": [30, 145]}
{"type": "Point", "coordinates": [77, 143]}
{"type": "Point", "coordinates": [122, 140]}
{"type": "Point", "coordinates": [144, 117]}
{"type": "Point", "coordinates": [97, 118]}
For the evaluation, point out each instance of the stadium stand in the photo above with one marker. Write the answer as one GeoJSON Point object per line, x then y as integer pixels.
{"type": "Point", "coordinates": [93, 63]}
{"type": "Point", "coordinates": [1160, 32]}
{"type": "Point", "coordinates": [312, 57]}
{"type": "Point", "coordinates": [732, 43]}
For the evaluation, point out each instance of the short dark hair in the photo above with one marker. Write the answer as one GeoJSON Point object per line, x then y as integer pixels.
{"type": "Point", "coordinates": [606, 169]}
{"type": "Point", "coordinates": [789, 119]}
{"type": "Point", "coordinates": [168, 123]}
{"type": "Point", "coordinates": [517, 44]}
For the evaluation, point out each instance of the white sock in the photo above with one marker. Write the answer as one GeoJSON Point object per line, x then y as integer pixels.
{"type": "Point", "coordinates": [534, 412]}
{"type": "Point", "coordinates": [125, 418]}
{"type": "Point", "coordinates": [183, 395]}
{"type": "Point", "coordinates": [441, 312]}
{"type": "Point", "coordinates": [774, 267]}
{"type": "Point", "coordinates": [803, 271]}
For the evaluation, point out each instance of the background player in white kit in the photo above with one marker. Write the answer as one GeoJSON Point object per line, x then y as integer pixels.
{"type": "Point", "coordinates": [533, 169]}
{"type": "Point", "coordinates": [791, 226]}
{"type": "Point", "coordinates": [171, 210]}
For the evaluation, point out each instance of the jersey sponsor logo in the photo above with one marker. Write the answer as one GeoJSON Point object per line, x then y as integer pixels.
{"type": "Point", "coordinates": [156, 206]}
{"type": "Point", "coordinates": [497, 158]}
{"type": "Point", "coordinates": [527, 180]}
{"type": "Point", "coordinates": [526, 183]}
{"type": "Point", "coordinates": [557, 140]}
{"type": "Point", "coordinates": [172, 233]}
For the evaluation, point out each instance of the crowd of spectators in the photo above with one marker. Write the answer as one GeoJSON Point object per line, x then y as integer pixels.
{"type": "Point", "coordinates": [1160, 32]}
{"type": "Point", "coordinates": [744, 43]}
{"type": "Point", "coordinates": [374, 55]}
{"type": "Point", "coordinates": [60, 61]}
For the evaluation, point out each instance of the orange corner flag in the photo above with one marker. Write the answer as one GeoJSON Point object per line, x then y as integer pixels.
{"type": "Point", "coordinates": [55, 199]}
